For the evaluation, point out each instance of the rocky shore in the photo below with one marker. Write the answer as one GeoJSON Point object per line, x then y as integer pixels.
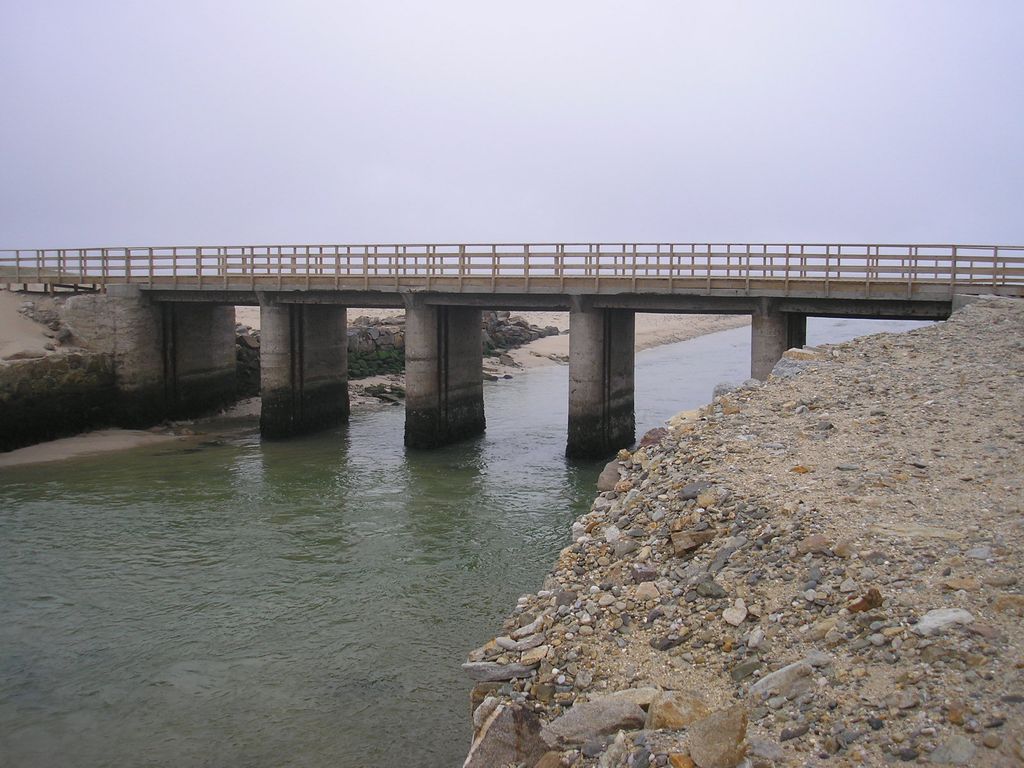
{"type": "Point", "coordinates": [824, 569]}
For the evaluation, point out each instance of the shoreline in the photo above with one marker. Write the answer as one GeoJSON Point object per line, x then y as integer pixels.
{"type": "Point", "coordinates": [786, 575]}
{"type": "Point", "coordinates": [652, 330]}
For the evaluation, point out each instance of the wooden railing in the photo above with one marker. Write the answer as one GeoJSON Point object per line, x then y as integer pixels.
{"type": "Point", "coordinates": [646, 266]}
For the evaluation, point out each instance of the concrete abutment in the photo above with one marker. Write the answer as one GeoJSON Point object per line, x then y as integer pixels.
{"type": "Point", "coordinates": [303, 368]}
{"type": "Point", "coordinates": [444, 396]}
{"type": "Point", "coordinates": [601, 362]}
{"type": "Point", "coordinates": [170, 360]}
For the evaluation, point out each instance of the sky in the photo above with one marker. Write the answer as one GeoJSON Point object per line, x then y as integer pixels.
{"type": "Point", "coordinates": [231, 122]}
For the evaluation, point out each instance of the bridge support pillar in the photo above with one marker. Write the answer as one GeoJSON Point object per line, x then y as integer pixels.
{"type": "Point", "coordinates": [771, 334]}
{"type": "Point", "coordinates": [303, 368]}
{"type": "Point", "coordinates": [601, 356]}
{"type": "Point", "coordinates": [444, 395]}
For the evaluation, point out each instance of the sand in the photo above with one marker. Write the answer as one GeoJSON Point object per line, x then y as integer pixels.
{"type": "Point", "coordinates": [652, 330]}
{"type": "Point", "coordinates": [100, 441]}
{"type": "Point", "coordinates": [18, 335]}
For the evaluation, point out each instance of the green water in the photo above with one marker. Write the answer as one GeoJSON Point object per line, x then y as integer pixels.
{"type": "Point", "coordinates": [230, 602]}
{"type": "Point", "coordinates": [238, 603]}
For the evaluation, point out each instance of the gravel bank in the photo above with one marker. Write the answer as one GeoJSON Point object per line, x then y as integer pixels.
{"type": "Point", "coordinates": [822, 570]}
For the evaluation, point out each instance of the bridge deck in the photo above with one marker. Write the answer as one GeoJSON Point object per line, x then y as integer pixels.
{"type": "Point", "coordinates": [894, 272]}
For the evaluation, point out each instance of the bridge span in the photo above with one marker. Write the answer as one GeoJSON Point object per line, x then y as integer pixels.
{"type": "Point", "coordinates": [166, 314]}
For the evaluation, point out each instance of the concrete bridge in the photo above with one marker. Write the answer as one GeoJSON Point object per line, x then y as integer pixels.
{"type": "Point", "coordinates": [168, 315]}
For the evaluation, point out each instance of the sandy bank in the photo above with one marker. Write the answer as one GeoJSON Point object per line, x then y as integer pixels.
{"type": "Point", "coordinates": [652, 330]}
{"type": "Point", "coordinates": [100, 441]}
{"type": "Point", "coordinates": [18, 334]}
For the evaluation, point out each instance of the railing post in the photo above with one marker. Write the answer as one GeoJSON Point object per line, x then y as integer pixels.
{"type": "Point", "coordinates": [494, 267]}
{"type": "Point", "coordinates": [560, 265]}
{"type": "Point", "coordinates": [526, 266]}
{"type": "Point", "coordinates": [911, 267]}
{"type": "Point", "coordinates": [747, 280]}
{"type": "Point", "coordinates": [867, 273]}
{"type": "Point", "coordinates": [828, 250]}
{"type": "Point", "coordinates": [671, 267]}
{"type": "Point", "coordinates": [709, 269]}
{"type": "Point", "coordinates": [636, 265]}
{"type": "Point", "coordinates": [952, 273]}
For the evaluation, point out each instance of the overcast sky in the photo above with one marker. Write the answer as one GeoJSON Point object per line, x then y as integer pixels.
{"type": "Point", "coordinates": [151, 122]}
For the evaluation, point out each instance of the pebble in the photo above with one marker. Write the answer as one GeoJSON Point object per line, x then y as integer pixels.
{"type": "Point", "coordinates": [736, 614]}
{"type": "Point", "coordinates": [788, 734]}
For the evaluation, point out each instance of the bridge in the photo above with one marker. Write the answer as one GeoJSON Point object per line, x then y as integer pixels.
{"type": "Point", "coordinates": [168, 314]}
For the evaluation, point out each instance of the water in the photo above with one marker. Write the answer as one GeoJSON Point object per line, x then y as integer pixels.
{"type": "Point", "coordinates": [237, 603]}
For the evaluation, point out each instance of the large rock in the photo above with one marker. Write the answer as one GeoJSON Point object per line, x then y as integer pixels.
{"type": "Point", "coordinates": [592, 720]}
{"type": "Point", "coordinates": [491, 671]}
{"type": "Point", "coordinates": [510, 734]}
{"type": "Point", "coordinates": [674, 710]}
{"type": "Point", "coordinates": [938, 621]}
{"type": "Point", "coordinates": [719, 740]}
{"type": "Point", "coordinates": [642, 697]}
{"type": "Point", "coordinates": [958, 750]}
{"type": "Point", "coordinates": [609, 476]}
{"type": "Point", "coordinates": [789, 681]}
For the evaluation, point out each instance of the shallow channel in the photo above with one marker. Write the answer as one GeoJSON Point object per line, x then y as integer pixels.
{"type": "Point", "coordinates": [232, 602]}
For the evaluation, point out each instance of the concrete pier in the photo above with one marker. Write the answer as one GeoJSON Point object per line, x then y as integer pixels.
{"type": "Point", "coordinates": [444, 396]}
{"type": "Point", "coordinates": [601, 357]}
{"type": "Point", "coordinates": [771, 334]}
{"type": "Point", "coordinates": [303, 368]}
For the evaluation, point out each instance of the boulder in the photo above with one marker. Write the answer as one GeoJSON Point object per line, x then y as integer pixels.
{"type": "Point", "coordinates": [719, 740]}
{"type": "Point", "coordinates": [692, 490]}
{"type": "Point", "coordinates": [674, 710]}
{"type": "Point", "coordinates": [609, 477]}
{"type": "Point", "coordinates": [653, 437]}
{"type": "Point", "coordinates": [957, 750]}
{"type": "Point", "coordinates": [938, 621]}
{"type": "Point", "coordinates": [591, 720]}
{"type": "Point", "coordinates": [510, 734]}
{"type": "Point", "coordinates": [789, 681]}
{"type": "Point", "coordinates": [490, 671]}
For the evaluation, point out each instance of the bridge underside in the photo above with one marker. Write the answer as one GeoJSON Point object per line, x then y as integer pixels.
{"type": "Point", "coordinates": [304, 377]}
{"type": "Point", "coordinates": [935, 308]}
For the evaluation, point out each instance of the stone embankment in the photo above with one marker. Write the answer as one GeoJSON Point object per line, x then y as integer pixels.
{"type": "Point", "coordinates": [53, 389]}
{"type": "Point", "coordinates": [826, 569]}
